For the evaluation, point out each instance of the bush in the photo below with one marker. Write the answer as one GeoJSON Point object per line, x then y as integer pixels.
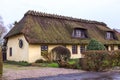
{"type": "Point", "coordinates": [63, 64]}
{"type": "Point", "coordinates": [115, 58]}
{"type": "Point", "coordinates": [72, 64]}
{"type": "Point", "coordinates": [96, 61]}
{"type": "Point", "coordinates": [39, 61]}
{"type": "Point", "coordinates": [60, 53]}
{"type": "Point", "coordinates": [46, 55]}
{"type": "Point", "coordinates": [95, 45]}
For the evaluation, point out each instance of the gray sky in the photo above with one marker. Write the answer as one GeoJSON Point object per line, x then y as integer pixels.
{"type": "Point", "coordinates": [107, 11]}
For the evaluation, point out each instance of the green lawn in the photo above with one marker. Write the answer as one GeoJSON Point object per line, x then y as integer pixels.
{"type": "Point", "coordinates": [15, 65]}
{"type": "Point", "coordinates": [53, 64]}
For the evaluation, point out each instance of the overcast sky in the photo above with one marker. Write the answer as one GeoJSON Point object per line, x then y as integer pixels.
{"type": "Point", "coordinates": [107, 11]}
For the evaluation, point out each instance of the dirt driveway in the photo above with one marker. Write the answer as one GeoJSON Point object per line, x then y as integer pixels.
{"type": "Point", "coordinates": [12, 72]}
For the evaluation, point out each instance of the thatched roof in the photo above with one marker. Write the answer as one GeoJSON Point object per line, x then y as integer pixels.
{"type": "Point", "coordinates": [45, 28]}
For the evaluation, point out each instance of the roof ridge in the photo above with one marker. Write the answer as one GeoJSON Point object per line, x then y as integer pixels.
{"type": "Point", "coordinates": [35, 13]}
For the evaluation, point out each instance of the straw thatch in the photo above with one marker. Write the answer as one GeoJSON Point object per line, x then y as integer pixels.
{"type": "Point", "coordinates": [42, 28]}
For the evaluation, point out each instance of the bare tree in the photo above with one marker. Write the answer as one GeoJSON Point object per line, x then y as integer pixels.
{"type": "Point", "coordinates": [3, 30]}
{"type": "Point", "coordinates": [10, 26]}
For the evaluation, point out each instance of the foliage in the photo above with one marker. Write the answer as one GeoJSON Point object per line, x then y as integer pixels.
{"type": "Point", "coordinates": [60, 53]}
{"type": "Point", "coordinates": [3, 30]}
{"type": "Point", "coordinates": [46, 55]}
{"type": "Point", "coordinates": [95, 45]}
{"type": "Point", "coordinates": [115, 58]}
{"type": "Point", "coordinates": [96, 61]}
{"type": "Point", "coordinates": [72, 64]}
{"type": "Point", "coordinates": [39, 61]}
{"type": "Point", "coordinates": [21, 63]}
{"type": "Point", "coordinates": [1, 63]}
{"type": "Point", "coordinates": [73, 61]}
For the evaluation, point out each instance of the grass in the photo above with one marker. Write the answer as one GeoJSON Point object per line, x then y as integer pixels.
{"type": "Point", "coordinates": [53, 64]}
{"type": "Point", "coordinates": [15, 64]}
{"type": "Point", "coordinates": [18, 67]}
{"type": "Point", "coordinates": [73, 61]}
{"type": "Point", "coordinates": [20, 63]}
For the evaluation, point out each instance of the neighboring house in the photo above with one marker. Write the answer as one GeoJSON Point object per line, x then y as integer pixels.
{"type": "Point", "coordinates": [37, 32]}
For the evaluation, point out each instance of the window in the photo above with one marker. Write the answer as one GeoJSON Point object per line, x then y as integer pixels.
{"type": "Point", "coordinates": [82, 48]}
{"type": "Point", "coordinates": [79, 33]}
{"type": "Point", "coordinates": [109, 35]}
{"type": "Point", "coordinates": [74, 49]}
{"type": "Point", "coordinates": [10, 52]}
{"type": "Point", "coordinates": [44, 48]}
{"type": "Point", "coordinates": [20, 43]}
{"type": "Point", "coordinates": [106, 46]}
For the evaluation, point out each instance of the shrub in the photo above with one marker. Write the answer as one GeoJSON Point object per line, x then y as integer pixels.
{"type": "Point", "coordinates": [39, 61]}
{"type": "Point", "coordinates": [95, 45]}
{"type": "Point", "coordinates": [60, 53]}
{"type": "Point", "coordinates": [72, 64]}
{"type": "Point", "coordinates": [46, 55]}
{"type": "Point", "coordinates": [63, 64]}
{"type": "Point", "coordinates": [115, 58]}
{"type": "Point", "coordinates": [96, 61]}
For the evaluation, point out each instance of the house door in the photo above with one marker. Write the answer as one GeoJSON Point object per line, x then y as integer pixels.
{"type": "Point", "coordinates": [4, 56]}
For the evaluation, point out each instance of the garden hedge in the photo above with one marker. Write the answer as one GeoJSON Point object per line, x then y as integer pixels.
{"type": "Point", "coordinates": [100, 60]}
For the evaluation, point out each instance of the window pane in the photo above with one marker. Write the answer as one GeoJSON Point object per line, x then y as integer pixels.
{"type": "Point", "coordinates": [82, 48]}
{"type": "Point", "coordinates": [44, 48]}
{"type": "Point", "coordinates": [10, 52]}
{"type": "Point", "coordinates": [109, 35]}
{"type": "Point", "coordinates": [74, 49]}
{"type": "Point", "coordinates": [79, 33]}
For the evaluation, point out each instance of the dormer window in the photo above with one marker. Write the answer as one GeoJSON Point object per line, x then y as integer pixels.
{"type": "Point", "coordinates": [110, 35]}
{"type": "Point", "coordinates": [79, 33]}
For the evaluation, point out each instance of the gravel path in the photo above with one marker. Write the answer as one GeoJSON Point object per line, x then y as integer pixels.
{"type": "Point", "coordinates": [11, 74]}
{"type": "Point", "coordinates": [38, 73]}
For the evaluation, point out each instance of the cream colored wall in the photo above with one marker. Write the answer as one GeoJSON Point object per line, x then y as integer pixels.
{"type": "Point", "coordinates": [50, 47]}
{"type": "Point", "coordinates": [73, 56]}
{"type": "Point", "coordinates": [109, 48]}
{"type": "Point", "coordinates": [18, 54]}
{"type": "Point", "coordinates": [115, 47]}
{"type": "Point", "coordinates": [34, 53]}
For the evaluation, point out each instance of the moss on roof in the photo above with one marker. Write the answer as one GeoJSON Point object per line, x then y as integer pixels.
{"type": "Point", "coordinates": [41, 28]}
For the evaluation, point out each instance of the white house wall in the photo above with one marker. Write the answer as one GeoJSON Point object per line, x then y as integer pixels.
{"type": "Point", "coordinates": [34, 53]}
{"type": "Point", "coordinates": [18, 54]}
